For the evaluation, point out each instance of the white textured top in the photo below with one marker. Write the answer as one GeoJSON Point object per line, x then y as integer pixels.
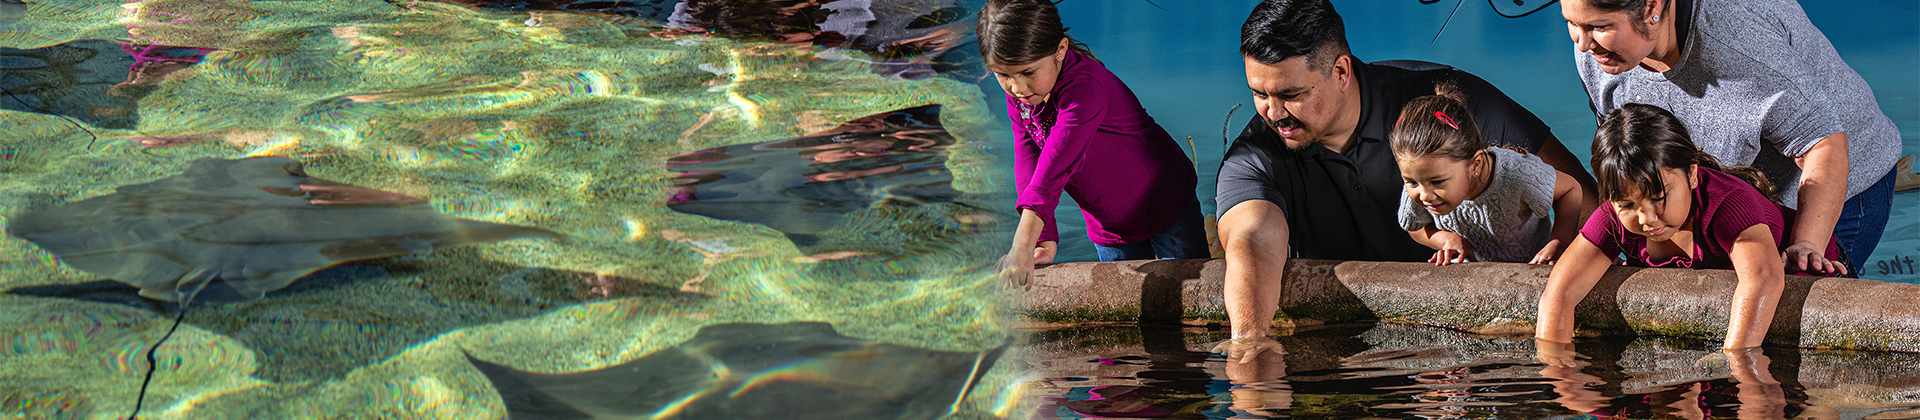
{"type": "Point", "coordinates": [1508, 222]}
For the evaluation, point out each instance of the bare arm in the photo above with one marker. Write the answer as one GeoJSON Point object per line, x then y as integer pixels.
{"type": "Point", "coordinates": [1571, 206]}
{"type": "Point", "coordinates": [1762, 277]}
{"type": "Point", "coordinates": [1580, 267]}
{"type": "Point", "coordinates": [1823, 191]}
{"type": "Point", "coordinates": [1255, 235]}
{"type": "Point", "coordinates": [1024, 253]}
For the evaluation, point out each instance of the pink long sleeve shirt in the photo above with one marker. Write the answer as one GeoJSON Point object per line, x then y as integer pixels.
{"type": "Point", "coordinates": [1093, 140]}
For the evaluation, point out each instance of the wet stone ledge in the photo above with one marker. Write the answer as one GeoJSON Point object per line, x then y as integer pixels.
{"type": "Point", "coordinates": [1485, 298]}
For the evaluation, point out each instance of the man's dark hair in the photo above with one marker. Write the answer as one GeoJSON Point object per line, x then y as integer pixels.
{"type": "Point", "coordinates": [1282, 29]}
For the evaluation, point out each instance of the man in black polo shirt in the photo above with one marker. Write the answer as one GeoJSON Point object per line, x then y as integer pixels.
{"type": "Point", "coordinates": [1314, 176]}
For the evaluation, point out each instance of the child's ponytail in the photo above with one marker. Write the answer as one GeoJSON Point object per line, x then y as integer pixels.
{"type": "Point", "coordinates": [1016, 32]}
{"type": "Point", "coordinates": [1637, 141]}
{"type": "Point", "coordinates": [1437, 125]}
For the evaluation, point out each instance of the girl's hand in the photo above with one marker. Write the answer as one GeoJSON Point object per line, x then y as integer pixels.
{"type": "Point", "coordinates": [1547, 254]}
{"type": "Point", "coordinates": [1453, 249]}
{"type": "Point", "coordinates": [1555, 354]}
{"type": "Point", "coordinates": [1016, 269]}
{"type": "Point", "coordinates": [1043, 254]}
{"type": "Point", "coordinates": [1802, 256]}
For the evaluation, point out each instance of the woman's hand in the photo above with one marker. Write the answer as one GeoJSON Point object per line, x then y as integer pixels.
{"type": "Point", "coordinates": [1802, 256]}
{"type": "Point", "coordinates": [1548, 254]}
{"type": "Point", "coordinates": [1453, 249]}
{"type": "Point", "coordinates": [1247, 349]}
{"type": "Point", "coordinates": [1043, 253]}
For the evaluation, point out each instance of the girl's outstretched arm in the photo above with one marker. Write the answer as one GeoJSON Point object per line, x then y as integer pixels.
{"type": "Point", "coordinates": [1017, 267]}
{"type": "Point", "coordinates": [1571, 206]}
{"type": "Point", "coordinates": [1756, 261]}
{"type": "Point", "coordinates": [1579, 268]}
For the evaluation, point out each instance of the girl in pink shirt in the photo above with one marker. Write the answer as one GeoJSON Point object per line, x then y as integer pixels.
{"type": "Point", "coordinates": [1665, 203]}
{"type": "Point", "coordinates": [1079, 130]}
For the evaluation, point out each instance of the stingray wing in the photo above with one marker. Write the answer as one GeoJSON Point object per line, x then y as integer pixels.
{"type": "Point", "coordinates": [252, 225]}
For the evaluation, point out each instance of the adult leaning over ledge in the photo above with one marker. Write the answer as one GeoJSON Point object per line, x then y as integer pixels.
{"type": "Point", "coordinates": [1757, 85]}
{"type": "Point", "coordinates": [1313, 176]}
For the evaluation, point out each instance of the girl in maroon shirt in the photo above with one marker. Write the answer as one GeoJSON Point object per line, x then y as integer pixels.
{"type": "Point", "coordinates": [1665, 203]}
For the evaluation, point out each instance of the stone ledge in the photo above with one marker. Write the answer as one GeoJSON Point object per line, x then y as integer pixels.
{"type": "Point", "coordinates": [1488, 298]}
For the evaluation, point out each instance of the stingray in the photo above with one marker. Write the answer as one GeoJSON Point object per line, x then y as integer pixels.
{"type": "Point", "coordinates": [754, 371]}
{"type": "Point", "coordinates": [240, 228]}
{"type": "Point", "coordinates": [803, 186]}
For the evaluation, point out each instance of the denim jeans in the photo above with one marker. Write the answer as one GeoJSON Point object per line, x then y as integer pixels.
{"type": "Point", "coordinates": [1862, 220]}
{"type": "Point", "coordinates": [1187, 238]}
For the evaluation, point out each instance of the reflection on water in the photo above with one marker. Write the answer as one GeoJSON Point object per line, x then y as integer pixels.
{"type": "Point", "coordinates": [1404, 371]}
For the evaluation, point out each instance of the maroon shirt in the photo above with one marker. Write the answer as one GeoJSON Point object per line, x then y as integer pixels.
{"type": "Point", "coordinates": [1093, 140]}
{"type": "Point", "coordinates": [1723, 206]}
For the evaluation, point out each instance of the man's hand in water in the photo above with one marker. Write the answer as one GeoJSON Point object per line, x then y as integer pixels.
{"type": "Point", "coordinates": [1246, 349]}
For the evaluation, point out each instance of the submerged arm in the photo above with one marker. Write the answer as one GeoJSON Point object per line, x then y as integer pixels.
{"type": "Point", "coordinates": [1255, 235]}
{"type": "Point", "coordinates": [1762, 277]}
{"type": "Point", "coordinates": [1579, 269]}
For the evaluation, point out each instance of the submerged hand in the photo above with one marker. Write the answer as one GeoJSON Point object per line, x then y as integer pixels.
{"type": "Point", "coordinates": [1802, 256]}
{"type": "Point", "coordinates": [1555, 354]}
{"type": "Point", "coordinates": [1247, 349]}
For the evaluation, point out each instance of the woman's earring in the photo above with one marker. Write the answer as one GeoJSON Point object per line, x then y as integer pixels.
{"type": "Point", "coordinates": [1656, 18]}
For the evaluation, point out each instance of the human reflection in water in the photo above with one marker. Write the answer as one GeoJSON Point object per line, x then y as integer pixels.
{"type": "Point", "coordinates": [910, 39]}
{"type": "Point", "coordinates": [1755, 391]}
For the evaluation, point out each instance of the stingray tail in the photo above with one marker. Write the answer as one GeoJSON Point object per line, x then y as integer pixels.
{"type": "Point", "coordinates": [981, 364]}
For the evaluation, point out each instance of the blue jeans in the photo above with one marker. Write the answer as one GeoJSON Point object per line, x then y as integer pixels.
{"type": "Point", "coordinates": [1862, 220]}
{"type": "Point", "coordinates": [1187, 238]}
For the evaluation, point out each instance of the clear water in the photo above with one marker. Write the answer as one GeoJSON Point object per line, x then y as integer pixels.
{"type": "Point", "coordinates": [713, 189]}
{"type": "Point", "coordinates": [1182, 59]}
{"type": "Point", "coordinates": [1405, 371]}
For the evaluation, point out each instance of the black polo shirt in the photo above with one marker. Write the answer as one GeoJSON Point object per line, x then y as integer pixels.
{"type": "Point", "coordinates": [1342, 205]}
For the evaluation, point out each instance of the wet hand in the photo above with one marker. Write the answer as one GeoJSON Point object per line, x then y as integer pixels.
{"type": "Point", "coordinates": [1246, 349]}
{"type": "Point", "coordinates": [1803, 256]}
{"type": "Point", "coordinates": [1555, 354]}
{"type": "Point", "coordinates": [1453, 250]}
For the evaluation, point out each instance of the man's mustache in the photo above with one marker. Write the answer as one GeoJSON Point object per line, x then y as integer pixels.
{"type": "Point", "coordinates": [1287, 123]}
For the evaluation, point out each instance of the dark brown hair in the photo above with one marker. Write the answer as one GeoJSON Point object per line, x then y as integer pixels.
{"type": "Point", "coordinates": [1437, 125]}
{"type": "Point", "coordinates": [1016, 32]}
{"type": "Point", "coordinates": [1281, 29]}
{"type": "Point", "coordinates": [1635, 10]}
{"type": "Point", "coordinates": [1637, 141]}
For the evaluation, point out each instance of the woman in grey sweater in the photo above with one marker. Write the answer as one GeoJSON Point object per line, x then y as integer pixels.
{"type": "Point", "coordinates": [1758, 85]}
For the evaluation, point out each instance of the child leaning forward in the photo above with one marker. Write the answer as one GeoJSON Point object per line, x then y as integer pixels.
{"type": "Point", "coordinates": [1079, 130]}
{"type": "Point", "coordinates": [1472, 202]}
{"type": "Point", "coordinates": [1668, 204]}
